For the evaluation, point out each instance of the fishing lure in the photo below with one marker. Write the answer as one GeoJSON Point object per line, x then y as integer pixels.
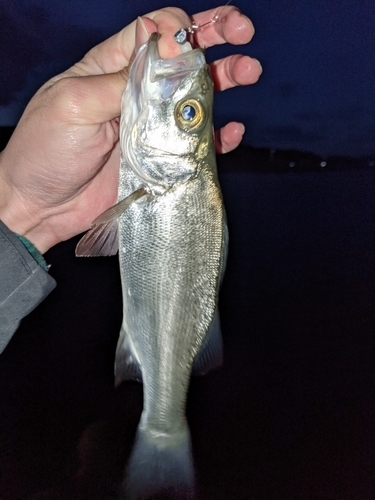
{"type": "Point", "coordinates": [181, 35]}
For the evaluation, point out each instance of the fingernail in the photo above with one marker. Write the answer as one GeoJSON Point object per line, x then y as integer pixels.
{"type": "Point", "coordinates": [261, 69]}
{"type": "Point", "coordinates": [141, 33]}
{"type": "Point", "coordinates": [141, 22]}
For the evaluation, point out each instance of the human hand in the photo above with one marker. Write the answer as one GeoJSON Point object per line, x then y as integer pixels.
{"type": "Point", "coordinates": [59, 170]}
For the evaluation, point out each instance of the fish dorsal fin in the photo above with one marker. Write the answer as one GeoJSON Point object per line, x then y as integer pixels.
{"type": "Point", "coordinates": [102, 238]}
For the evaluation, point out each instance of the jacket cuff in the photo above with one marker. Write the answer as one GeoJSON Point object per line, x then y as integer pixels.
{"type": "Point", "coordinates": [23, 284]}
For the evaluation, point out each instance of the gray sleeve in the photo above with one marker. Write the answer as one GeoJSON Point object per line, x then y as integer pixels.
{"type": "Point", "coordinates": [23, 284]}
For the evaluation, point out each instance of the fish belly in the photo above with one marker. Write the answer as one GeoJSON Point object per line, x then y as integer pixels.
{"type": "Point", "coordinates": [170, 259]}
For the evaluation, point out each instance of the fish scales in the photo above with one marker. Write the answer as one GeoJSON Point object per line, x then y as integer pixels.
{"type": "Point", "coordinates": [172, 239]}
{"type": "Point", "coordinates": [170, 260]}
{"type": "Point", "coordinates": [172, 255]}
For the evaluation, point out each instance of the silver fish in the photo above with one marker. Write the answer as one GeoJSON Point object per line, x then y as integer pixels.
{"type": "Point", "coordinates": [172, 240]}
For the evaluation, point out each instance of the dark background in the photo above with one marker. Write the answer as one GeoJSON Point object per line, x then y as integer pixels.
{"type": "Point", "coordinates": [316, 92]}
{"type": "Point", "coordinates": [290, 415]}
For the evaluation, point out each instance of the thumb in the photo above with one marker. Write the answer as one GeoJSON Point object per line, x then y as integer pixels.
{"type": "Point", "coordinates": [86, 93]}
{"type": "Point", "coordinates": [97, 98]}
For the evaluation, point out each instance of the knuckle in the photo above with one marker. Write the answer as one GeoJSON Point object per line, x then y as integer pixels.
{"type": "Point", "coordinates": [177, 15]}
{"type": "Point", "coordinates": [69, 97]}
{"type": "Point", "coordinates": [175, 11]}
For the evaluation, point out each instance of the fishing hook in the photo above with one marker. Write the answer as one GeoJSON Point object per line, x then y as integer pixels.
{"type": "Point", "coordinates": [181, 35]}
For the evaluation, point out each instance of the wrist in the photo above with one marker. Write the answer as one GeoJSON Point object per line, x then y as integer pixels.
{"type": "Point", "coordinates": [19, 218]}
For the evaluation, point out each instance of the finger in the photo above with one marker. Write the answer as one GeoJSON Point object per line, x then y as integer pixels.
{"type": "Point", "coordinates": [235, 70]}
{"type": "Point", "coordinates": [143, 28]}
{"type": "Point", "coordinates": [114, 53]}
{"type": "Point", "coordinates": [168, 22]}
{"type": "Point", "coordinates": [229, 137]}
{"type": "Point", "coordinates": [231, 26]}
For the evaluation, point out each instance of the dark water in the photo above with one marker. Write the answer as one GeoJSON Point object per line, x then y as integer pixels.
{"type": "Point", "coordinates": [288, 417]}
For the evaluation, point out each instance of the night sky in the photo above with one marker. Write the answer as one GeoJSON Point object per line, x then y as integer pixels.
{"type": "Point", "coordinates": [316, 92]}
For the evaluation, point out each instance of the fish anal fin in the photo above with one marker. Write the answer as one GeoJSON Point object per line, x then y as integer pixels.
{"type": "Point", "coordinates": [127, 366]}
{"type": "Point", "coordinates": [210, 355]}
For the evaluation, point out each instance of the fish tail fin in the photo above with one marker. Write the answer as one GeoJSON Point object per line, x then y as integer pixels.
{"type": "Point", "coordinates": [160, 464]}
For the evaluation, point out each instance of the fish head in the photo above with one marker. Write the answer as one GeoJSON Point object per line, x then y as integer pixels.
{"type": "Point", "coordinates": [166, 118]}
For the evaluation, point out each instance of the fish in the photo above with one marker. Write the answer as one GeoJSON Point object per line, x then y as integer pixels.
{"type": "Point", "coordinates": [169, 228]}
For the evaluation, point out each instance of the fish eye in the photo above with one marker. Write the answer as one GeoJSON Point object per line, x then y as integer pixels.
{"type": "Point", "coordinates": [189, 114]}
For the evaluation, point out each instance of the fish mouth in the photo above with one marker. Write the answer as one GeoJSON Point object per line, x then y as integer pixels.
{"type": "Point", "coordinates": [149, 68]}
{"type": "Point", "coordinates": [154, 84]}
{"type": "Point", "coordinates": [179, 66]}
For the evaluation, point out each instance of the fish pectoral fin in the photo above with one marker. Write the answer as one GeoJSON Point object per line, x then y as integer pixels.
{"type": "Point", "coordinates": [102, 238]}
{"type": "Point", "coordinates": [210, 355]}
{"type": "Point", "coordinates": [100, 241]}
{"type": "Point", "coordinates": [115, 211]}
{"type": "Point", "coordinates": [127, 366]}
